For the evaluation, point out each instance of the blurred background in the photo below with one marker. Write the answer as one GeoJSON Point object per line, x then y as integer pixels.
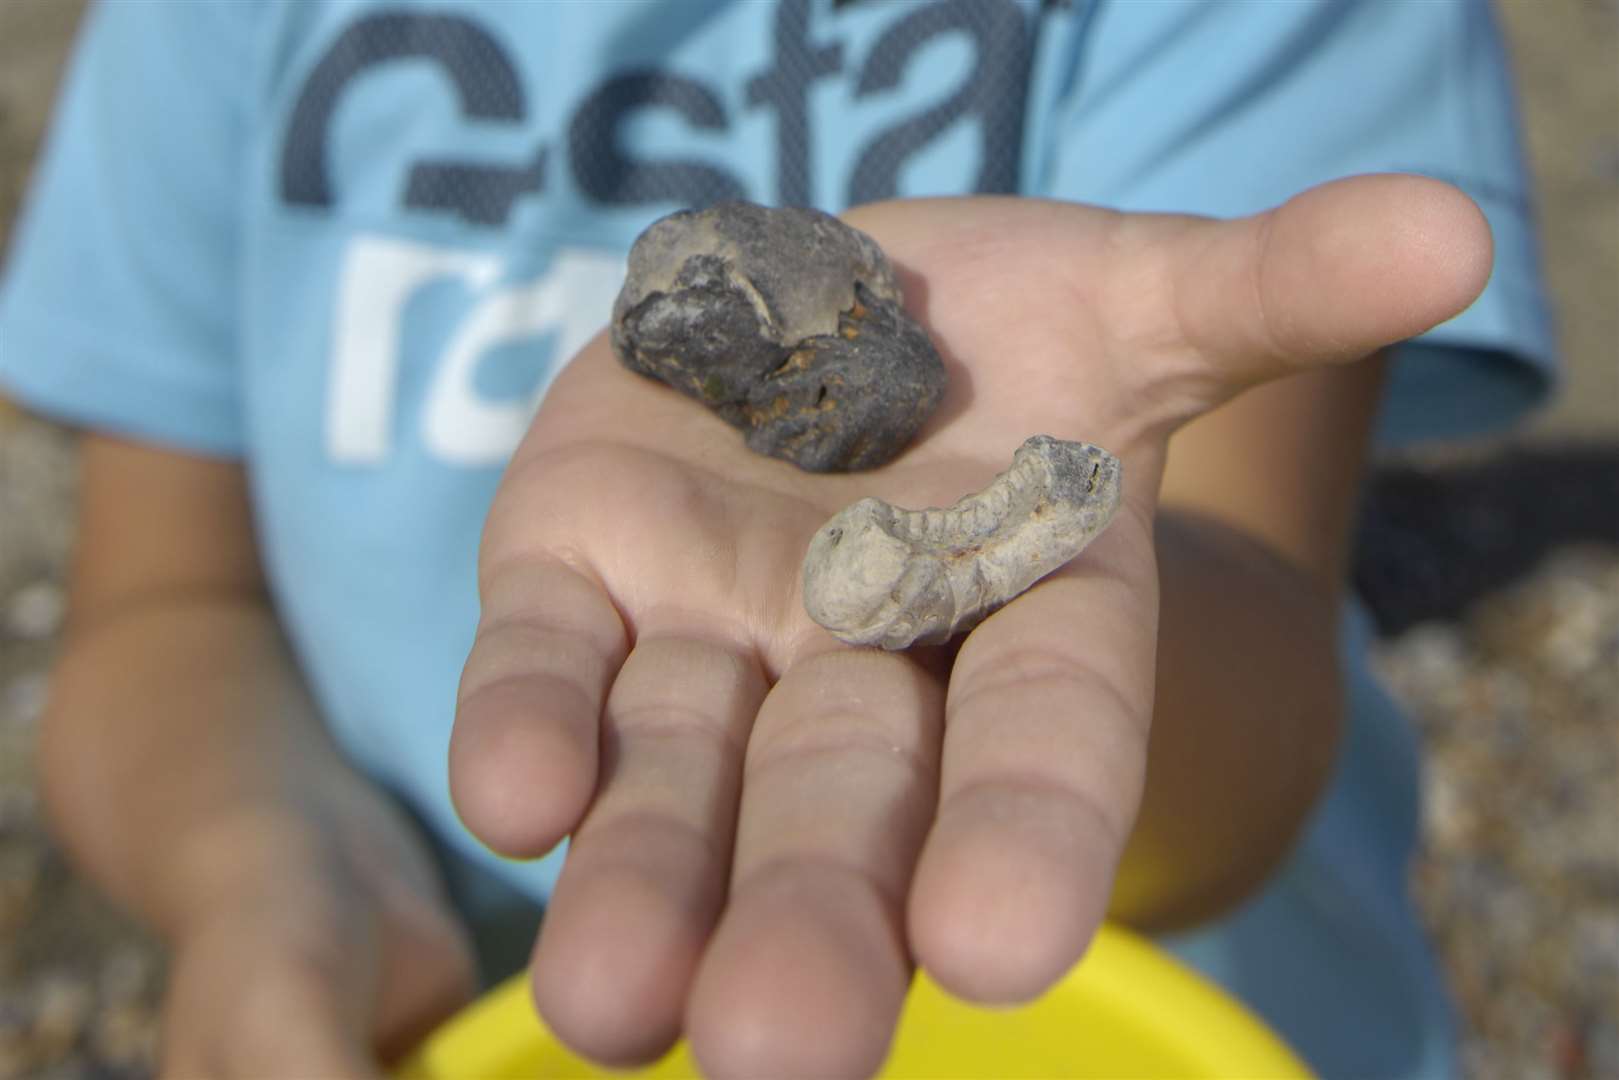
{"type": "Point", "coordinates": [1493, 569]}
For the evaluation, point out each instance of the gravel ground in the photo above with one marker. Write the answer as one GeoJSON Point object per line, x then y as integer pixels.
{"type": "Point", "coordinates": [1519, 878]}
{"type": "Point", "coordinates": [1494, 574]}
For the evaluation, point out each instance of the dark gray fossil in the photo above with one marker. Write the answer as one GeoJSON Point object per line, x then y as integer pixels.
{"type": "Point", "coordinates": [788, 324]}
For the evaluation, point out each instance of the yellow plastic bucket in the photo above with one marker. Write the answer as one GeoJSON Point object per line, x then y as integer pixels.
{"type": "Point", "coordinates": [1127, 1010]}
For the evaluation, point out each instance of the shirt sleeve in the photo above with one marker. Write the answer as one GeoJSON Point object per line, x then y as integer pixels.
{"type": "Point", "coordinates": [1227, 108]}
{"type": "Point", "coordinates": [118, 303]}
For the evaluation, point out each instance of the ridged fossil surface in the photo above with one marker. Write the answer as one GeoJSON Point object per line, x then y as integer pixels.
{"type": "Point", "coordinates": [877, 574]}
{"type": "Point", "coordinates": [787, 324]}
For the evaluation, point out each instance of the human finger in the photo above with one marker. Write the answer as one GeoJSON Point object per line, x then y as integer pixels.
{"type": "Point", "coordinates": [1188, 310]}
{"type": "Point", "coordinates": [808, 968]}
{"type": "Point", "coordinates": [297, 1030]}
{"type": "Point", "coordinates": [1330, 276]}
{"type": "Point", "coordinates": [426, 973]}
{"type": "Point", "coordinates": [646, 872]}
{"type": "Point", "coordinates": [1043, 763]}
{"type": "Point", "coordinates": [301, 1011]}
{"type": "Point", "coordinates": [523, 753]}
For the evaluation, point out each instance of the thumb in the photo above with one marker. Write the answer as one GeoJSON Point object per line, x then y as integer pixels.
{"type": "Point", "coordinates": [307, 1028]}
{"type": "Point", "coordinates": [1330, 276]}
{"type": "Point", "coordinates": [428, 973]}
{"type": "Point", "coordinates": [239, 1006]}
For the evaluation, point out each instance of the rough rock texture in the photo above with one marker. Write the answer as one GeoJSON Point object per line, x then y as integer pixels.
{"type": "Point", "coordinates": [879, 575]}
{"type": "Point", "coordinates": [788, 325]}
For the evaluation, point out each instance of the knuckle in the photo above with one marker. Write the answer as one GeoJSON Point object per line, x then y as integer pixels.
{"type": "Point", "coordinates": [517, 649]}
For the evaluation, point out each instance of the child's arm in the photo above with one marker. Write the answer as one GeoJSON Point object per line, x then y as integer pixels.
{"type": "Point", "coordinates": [1253, 531]}
{"type": "Point", "coordinates": [184, 764]}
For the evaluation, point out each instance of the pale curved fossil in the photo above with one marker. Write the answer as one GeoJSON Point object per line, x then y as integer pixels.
{"type": "Point", "coordinates": [877, 574]}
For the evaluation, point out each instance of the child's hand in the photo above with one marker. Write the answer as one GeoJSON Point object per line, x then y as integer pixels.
{"type": "Point", "coordinates": [770, 828]}
{"type": "Point", "coordinates": [321, 951]}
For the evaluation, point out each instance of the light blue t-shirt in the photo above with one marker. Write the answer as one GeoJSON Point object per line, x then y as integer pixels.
{"type": "Point", "coordinates": [352, 242]}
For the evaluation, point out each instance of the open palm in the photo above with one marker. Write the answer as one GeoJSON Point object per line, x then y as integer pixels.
{"type": "Point", "coordinates": [770, 828]}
